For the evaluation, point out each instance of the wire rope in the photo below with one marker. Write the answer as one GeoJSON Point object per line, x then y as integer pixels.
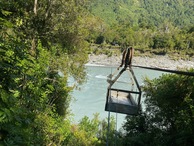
{"type": "Point", "coordinates": [166, 70]}
{"type": "Point", "coordinates": [109, 94]}
{"type": "Point", "coordinates": [108, 130]}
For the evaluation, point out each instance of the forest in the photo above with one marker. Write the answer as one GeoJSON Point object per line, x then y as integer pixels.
{"type": "Point", "coordinates": [162, 27]}
{"type": "Point", "coordinates": [43, 43]}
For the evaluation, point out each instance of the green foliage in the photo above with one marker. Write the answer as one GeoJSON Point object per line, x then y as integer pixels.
{"type": "Point", "coordinates": [137, 131]}
{"type": "Point", "coordinates": [91, 127]}
{"type": "Point", "coordinates": [168, 116]}
{"type": "Point", "coordinates": [85, 133]}
{"type": "Point", "coordinates": [143, 24]}
{"type": "Point", "coordinates": [145, 13]}
{"type": "Point", "coordinates": [108, 134]}
{"type": "Point", "coordinates": [94, 132]}
{"type": "Point", "coordinates": [27, 113]}
{"type": "Point", "coordinates": [39, 49]}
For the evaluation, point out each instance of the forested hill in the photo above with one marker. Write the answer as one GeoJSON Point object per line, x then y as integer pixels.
{"type": "Point", "coordinates": [144, 12]}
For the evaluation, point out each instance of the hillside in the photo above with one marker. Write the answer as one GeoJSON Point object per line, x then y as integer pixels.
{"type": "Point", "coordinates": [144, 12]}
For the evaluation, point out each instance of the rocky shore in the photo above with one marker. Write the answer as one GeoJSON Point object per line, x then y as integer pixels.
{"type": "Point", "coordinates": [155, 61]}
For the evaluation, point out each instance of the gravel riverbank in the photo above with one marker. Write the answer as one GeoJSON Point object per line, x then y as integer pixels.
{"type": "Point", "coordinates": [155, 61]}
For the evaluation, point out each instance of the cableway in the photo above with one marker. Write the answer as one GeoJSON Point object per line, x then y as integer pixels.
{"type": "Point", "coordinates": [128, 101]}
{"type": "Point", "coordinates": [166, 70]}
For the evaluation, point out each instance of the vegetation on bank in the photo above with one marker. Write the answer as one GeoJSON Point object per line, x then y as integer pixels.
{"type": "Point", "coordinates": [157, 27]}
{"type": "Point", "coordinates": [42, 43]}
{"type": "Point", "coordinates": [112, 50]}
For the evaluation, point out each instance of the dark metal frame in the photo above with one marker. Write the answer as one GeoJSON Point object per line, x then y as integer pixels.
{"type": "Point", "coordinates": [126, 91]}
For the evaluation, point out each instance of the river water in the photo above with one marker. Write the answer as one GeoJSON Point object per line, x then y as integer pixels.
{"type": "Point", "coordinates": [91, 98]}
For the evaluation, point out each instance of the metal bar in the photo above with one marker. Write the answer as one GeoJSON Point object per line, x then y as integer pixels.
{"type": "Point", "coordinates": [113, 81]}
{"type": "Point", "coordinates": [108, 129]}
{"type": "Point", "coordinates": [124, 90]}
{"type": "Point", "coordinates": [135, 79]}
{"type": "Point", "coordinates": [139, 99]}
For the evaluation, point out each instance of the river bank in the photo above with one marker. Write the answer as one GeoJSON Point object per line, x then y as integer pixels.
{"type": "Point", "coordinates": [159, 61]}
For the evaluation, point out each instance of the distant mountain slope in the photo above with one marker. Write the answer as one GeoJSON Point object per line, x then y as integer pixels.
{"type": "Point", "coordinates": [144, 12]}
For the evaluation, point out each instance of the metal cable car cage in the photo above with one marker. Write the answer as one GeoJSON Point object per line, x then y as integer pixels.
{"type": "Point", "coordinates": [121, 100]}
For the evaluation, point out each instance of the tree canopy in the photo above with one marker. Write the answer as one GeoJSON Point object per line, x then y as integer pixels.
{"type": "Point", "coordinates": [160, 27]}
{"type": "Point", "coordinates": [144, 12]}
{"type": "Point", "coordinates": [41, 46]}
{"type": "Point", "coordinates": [169, 113]}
